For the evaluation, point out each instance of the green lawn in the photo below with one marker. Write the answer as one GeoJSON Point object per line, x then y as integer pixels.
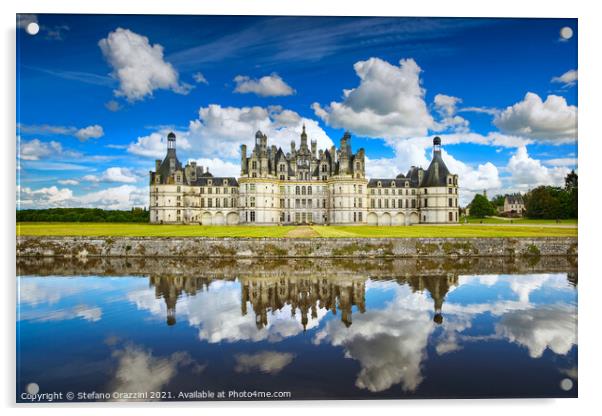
{"type": "Point", "coordinates": [147, 230]}
{"type": "Point", "coordinates": [142, 230]}
{"type": "Point", "coordinates": [501, 220]}
{"type": "Point", "coordinates": [444, 231]}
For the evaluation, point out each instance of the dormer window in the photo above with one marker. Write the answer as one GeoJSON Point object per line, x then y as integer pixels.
{"type": "Point", "coordinates": [379, 184]}
{"type": "Point", "coordinates": [392, 184]}
{"type": "Point", "coordinates": [209, 182]}
{"type": "Point", "coordinates": [407, 184]}
{"type": "Point", "coordinates": [225, 182]}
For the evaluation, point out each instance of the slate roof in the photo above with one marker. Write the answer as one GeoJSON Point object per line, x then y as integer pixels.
{"type": "Point", "coordinates": [436, 174]}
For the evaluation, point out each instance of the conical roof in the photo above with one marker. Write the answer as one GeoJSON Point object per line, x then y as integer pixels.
{"type": "Point", "coordinates": [436, 174]}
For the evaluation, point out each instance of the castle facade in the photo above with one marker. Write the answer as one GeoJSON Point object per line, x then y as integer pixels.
{"type": "Point", "coordinates": [302, 186]}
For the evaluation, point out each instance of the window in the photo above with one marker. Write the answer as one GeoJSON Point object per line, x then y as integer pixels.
{"type": "Point", "coordinates": [372, 202]}
{"type": "Point", "coordinates": [252, 214]}
{"type": "Point", "coordinates": [359, 216]}
{"type": "Point", "coordinates": [309, 190]}
{"type": "Point", "coordinates": [254, 165]}
{"type": "Point", "coordinates": [426, 191]}
{"type": "Point", "coordinates": [252, 187]}
{"type": "Point", "coordinates": [252, 202]}
{"type": "Point", "coordinates": [282, 167]}
{"type": "Point", "coordinates": [449, 190]}
{"type": "Point", "coordinates": [451, 218]}
{"type": "Point", "coordinates": [450, 202]}
{"type": "Point", "coordinates": [413, 203]}
{"type": "Point", "coordinates": [426, 203]}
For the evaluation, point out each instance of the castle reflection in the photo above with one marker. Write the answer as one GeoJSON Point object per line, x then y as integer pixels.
{"type": "Point", "coordinates": [304, 295]}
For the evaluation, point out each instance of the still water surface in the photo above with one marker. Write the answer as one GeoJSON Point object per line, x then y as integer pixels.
{"type": "Point", "coordinates": [327, 331]}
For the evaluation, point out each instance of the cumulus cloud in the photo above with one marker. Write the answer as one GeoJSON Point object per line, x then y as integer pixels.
{"type": "Point", "coordinates": [138, 370]}
{"type": "Point", "coordinates": [271, 362]}
{"type": "Point", "coordinates": [90, 132]}
{"type": "Point", "coordinates": [155, 146]}
{"type": "Point", "coordinates": [568, 79]}
{"type": "Point", "coordinates": [199, 78]}
{"type": "Point", "coordinates": [389, 343]}
{"type": "Point", "coordinates": [113, 174]}
{"type": "Point", "coordinates": [138, 66]}
{"type": "Point", "coordinates": [551, 120]}
{"type": "Point", "coordinates": [447, 107]}
{"type": "Point", "coordinates": [526, 172]}
{"type": "Point", "coordinates": [120, 197]}
{"type": "Point", "coordinates": [112, 105]}
{"type": "Point", "coordinates": [388, 103]}
{"type": "Point", "coordinates": [553, 327]}
{"type": "Point", "coordinates": [219, 167]}
{"type": "Point", "coordinates": [36, 149]}
{"type": "Point", "coordinates": [268, 86]}
{"type": "Point", "coordinates": [219, 131]}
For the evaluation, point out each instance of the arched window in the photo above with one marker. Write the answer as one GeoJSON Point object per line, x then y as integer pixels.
{"type": "Point", "coordinates": [296, 190]}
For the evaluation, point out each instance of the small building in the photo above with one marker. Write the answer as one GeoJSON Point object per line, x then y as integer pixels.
{"type": "Point", "coordinates": [514, 204]}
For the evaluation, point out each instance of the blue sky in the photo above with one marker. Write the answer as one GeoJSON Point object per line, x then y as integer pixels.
{"type": "Point", "coordinates": [97, 94]}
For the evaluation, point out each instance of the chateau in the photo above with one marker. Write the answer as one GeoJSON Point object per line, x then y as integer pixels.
{"type": "Point", "coordinates": [302, 186]}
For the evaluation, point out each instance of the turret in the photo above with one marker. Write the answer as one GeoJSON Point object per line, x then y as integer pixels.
{"type": "Point", "coordinates": [303, 138]}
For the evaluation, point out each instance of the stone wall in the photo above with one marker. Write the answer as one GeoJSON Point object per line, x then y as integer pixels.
{"type": "Point", "coordinates": [241, 248]}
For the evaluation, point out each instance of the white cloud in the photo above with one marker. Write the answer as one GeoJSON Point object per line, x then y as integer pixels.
{"type": "Point", "coordinates": [112, 105]}
{"type": "Point", "coordinates": [219, 131]}
{"type": "Point", "coordinates": [526, 172]}
{"type": "Point", "coordinates": [553, 327]}
{"type": "Point", "coordinates": [138, 370]}
{"type": "Point", "coordinates": [388, 343]}
{"type": "Point", "coordinates": [36, 149]}
{"type": "Point", "coordinates": [120, 197]}
{"type": "Point", "coordinates": [114, 174]}
{"type": "Point", "coordinates": [139, 66]}
{"type": "Point", "coordinates": [68, 182]}
{"type": "Point", "coordinates": [446, 106]}
{"type": "Point", "coordinates": [268, 86]}
{"type": "Point", "coordinates": [552, 119]}
{"type": "Point", "coordinates": [90, 132]}
{"type": "Point", "coordinates": [563, 161]}
{"type": "Point", "coordinates": [388, 103]}
{"type": "Point", "coordinates": [199, 78]}
{"type": "Point", "coordinates": [482, 110]}
{"type": "Point", "coordinates": [568, 79]}
{"type": "Point", "coordinates": [219, 167]}
{"type": "Point", "coordinates": [271, 362]}
{"type": "Point", "coordinates": [155, 146]}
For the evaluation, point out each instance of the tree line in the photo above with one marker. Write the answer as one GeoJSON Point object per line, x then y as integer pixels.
{"type": "Point", "coordinates": [82, 215]}
{"type": "Point", "coordinates": [543, 202]}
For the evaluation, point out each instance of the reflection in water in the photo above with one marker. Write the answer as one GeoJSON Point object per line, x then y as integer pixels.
{"type": "Point", "coordinates": [378, 330]}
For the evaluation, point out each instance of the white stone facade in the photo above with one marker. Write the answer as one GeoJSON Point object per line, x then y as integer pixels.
{"type": "Point", "coordinates": [303, 186]}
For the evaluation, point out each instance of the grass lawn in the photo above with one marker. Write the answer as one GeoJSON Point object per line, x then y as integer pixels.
{"type": "Point", "coordinates": [143, 230]}
{"type": "Point", "coordinates": [502, 220]}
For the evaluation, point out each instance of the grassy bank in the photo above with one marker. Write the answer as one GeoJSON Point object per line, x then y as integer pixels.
{"type": "Point", "coordinates": [148, 230]}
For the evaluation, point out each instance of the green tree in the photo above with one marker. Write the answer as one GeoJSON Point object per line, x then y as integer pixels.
{"type": "Point", "coordinates": [480, 207]}
{"type": "Point", "coordinates": [498, 200]}
{"type": "Point", "coordinates": [570, 185]}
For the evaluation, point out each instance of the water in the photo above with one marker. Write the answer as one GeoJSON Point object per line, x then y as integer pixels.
{"type": "Point", "coordinates": [170, 329]}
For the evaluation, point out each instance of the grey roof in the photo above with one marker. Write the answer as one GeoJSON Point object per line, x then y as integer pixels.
{"type": "Point", "coordinates": [436, 174]}
{"type": "Point", "coordinates": [515, 199]}
{"type": "Point", "coordinates": [386, 183]}
{"type": "Point", "coordinates": [164, 167]}
{"type": "Point", "coordinates": [216, 181]}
